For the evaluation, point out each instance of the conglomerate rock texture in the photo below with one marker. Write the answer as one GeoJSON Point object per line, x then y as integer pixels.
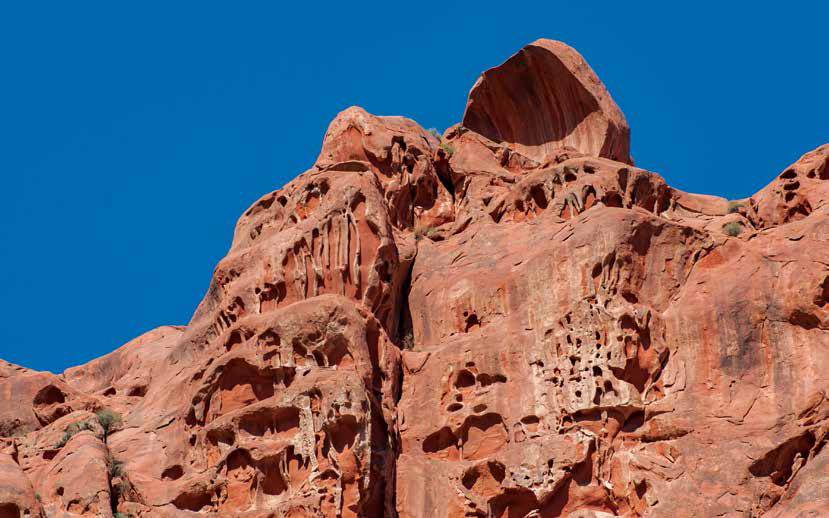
{"type": "Point", "coordinates": [509, 320]}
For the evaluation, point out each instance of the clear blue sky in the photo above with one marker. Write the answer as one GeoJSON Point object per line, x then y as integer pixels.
{"type": "Point", "coordinates": [132, 135]}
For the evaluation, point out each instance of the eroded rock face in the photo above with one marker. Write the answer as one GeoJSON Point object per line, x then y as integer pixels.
{"type": "Point", "coordinates": [509, 320]}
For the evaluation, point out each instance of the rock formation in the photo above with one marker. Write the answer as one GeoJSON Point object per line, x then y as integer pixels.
{"type": "Point", "coordinates": [508, 320]}
{"type": "Point", "coordinates": [544, 98]}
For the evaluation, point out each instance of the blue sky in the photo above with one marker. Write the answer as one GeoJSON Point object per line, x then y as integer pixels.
{"type": "Point", "coordinates": [132, 135]}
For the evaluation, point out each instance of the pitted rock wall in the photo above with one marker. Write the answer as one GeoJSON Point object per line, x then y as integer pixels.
{"type": "Point", "coordinates": [507, 320]}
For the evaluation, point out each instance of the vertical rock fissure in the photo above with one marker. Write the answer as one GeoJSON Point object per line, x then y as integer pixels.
{"type": "Point", "coordinates": [405, 340]}
{"type": "Point", "coordinates": [405, 334]}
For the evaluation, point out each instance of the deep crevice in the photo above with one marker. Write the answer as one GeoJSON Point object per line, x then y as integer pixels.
{"type": "Point", "coordinates": [444, 173]}
{"type": "Point", "coordinates": [405, 328]}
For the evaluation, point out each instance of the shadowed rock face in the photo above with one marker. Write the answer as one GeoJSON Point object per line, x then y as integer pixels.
{"type": "Point", "coordinates": [509, 320]}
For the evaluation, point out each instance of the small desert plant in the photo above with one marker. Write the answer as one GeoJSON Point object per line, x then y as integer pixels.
{"type": "Point", "coordinates": [107, 419]}
{"type": "Point", "coordinates": [447, 148]}
{"type": "Point", "coordinates": [734, 206]}
{"type": "Point", "coordinates": [121, 491]}
{"type": "Point", "coordinates": [115, 468]}
{"type": "Point", "coordinates": [421, 232]}
{"type": "Point", "coordinates": [121, 515]}
{"type": "Point", "coordinates": [408, 341]}
{"type": "Point", "coordinates": [125, 486]}
{"type": "Point", "coordinates": [72, 430]}
{"type": "Point", "coordinates": [733, 229]}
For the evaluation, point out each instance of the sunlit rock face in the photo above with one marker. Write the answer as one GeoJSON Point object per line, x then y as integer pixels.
{"type": "Point", "coordinates": [507, 320]}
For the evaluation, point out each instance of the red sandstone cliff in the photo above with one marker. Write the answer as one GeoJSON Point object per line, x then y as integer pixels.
{"type": "Point", "coordinates": [508, 320]}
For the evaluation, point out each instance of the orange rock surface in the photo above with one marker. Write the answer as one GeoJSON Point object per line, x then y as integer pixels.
{"type": "Point", "coordinates": [509, 320]}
